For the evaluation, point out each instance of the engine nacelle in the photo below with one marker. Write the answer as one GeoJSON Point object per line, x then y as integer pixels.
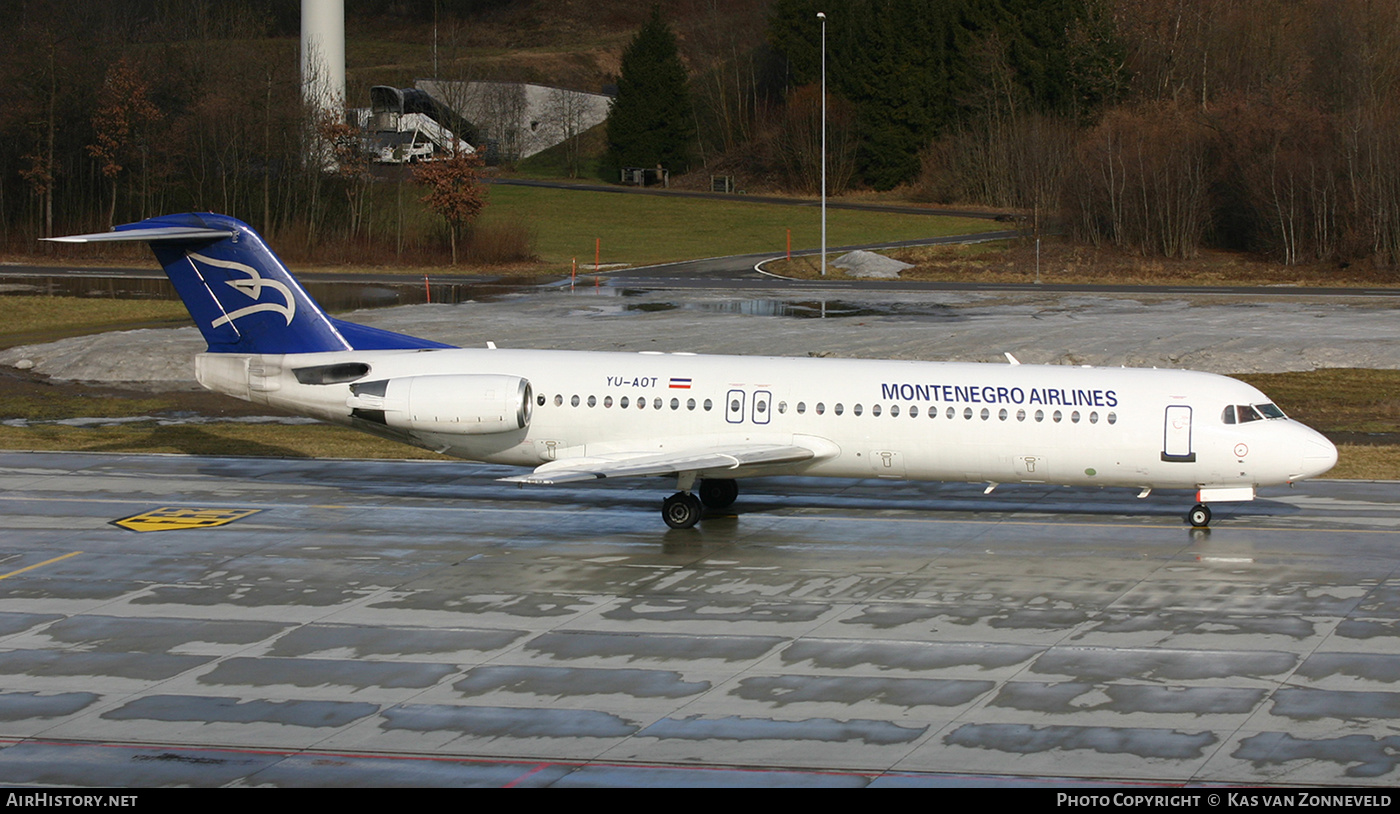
{"type": "Point", "coordinates": [464, 404]}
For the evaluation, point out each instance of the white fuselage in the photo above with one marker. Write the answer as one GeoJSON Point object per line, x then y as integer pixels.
{"type": "Point", "coordinates": [862, 418]}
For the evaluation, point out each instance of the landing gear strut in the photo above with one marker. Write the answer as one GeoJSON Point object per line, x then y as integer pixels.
{"type": "Point", "coordinates": [681, 510]}
{"type": "Point", "coordinates": [1199, 516]}
{"type": "Point", "coordinates": [718, 494]}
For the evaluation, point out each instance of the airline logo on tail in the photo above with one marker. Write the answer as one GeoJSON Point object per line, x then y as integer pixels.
{"type": "Point", "coordinates": [252, 288]}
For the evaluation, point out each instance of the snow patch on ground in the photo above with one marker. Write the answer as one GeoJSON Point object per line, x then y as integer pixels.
{"type": "Point", "coordinates": [861, 263]}
{"type": "Point", "coordinates": [1213, 333]}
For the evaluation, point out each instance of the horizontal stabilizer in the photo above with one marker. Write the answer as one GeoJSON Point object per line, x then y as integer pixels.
{"type": "Point", "coordinates": [161, 234]}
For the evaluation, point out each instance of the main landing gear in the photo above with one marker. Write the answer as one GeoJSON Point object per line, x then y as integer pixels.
{"type": "Point", "coordinates": [683, 509]}
{"type": "Point", "coordinates": [718, 494]}
{"type": "Point", "coordinates": [1199, 516]}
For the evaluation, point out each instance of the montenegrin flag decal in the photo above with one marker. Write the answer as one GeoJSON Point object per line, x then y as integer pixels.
{"type": "Point", "coordinates": [680, 384]}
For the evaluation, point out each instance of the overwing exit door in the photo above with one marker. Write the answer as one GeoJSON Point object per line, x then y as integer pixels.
{"type": "Point", "coordinates": [734, 407]}
{"type": "Point", "coordinates": [760, 404]}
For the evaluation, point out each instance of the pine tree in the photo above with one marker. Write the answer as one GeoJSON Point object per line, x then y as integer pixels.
{"type": "Point", "coordinates": [651, 121]}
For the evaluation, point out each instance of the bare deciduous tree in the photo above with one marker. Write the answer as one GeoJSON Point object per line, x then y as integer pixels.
{"type": "Point", "coordinates": [454, 191]}
{"type": "Point", "coordinates": [123, 112]}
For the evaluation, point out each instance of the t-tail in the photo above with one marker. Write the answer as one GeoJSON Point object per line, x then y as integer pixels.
{"type": "Point", "coordinates": [238, 292]}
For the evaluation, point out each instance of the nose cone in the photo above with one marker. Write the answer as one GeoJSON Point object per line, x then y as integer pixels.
{"type": "Point", "coordinates": [1319, 454]}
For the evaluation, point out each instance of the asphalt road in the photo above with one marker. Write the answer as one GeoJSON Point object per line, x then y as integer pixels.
{"type": "Point", "coordinates": [419, 623]}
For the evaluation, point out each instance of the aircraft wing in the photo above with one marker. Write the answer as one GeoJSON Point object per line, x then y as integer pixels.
{"type": "Point", "coordinates": [663, 463]}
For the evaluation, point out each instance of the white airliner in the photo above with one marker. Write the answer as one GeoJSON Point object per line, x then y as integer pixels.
{"type": "Point", "coordinates": [710, 420]}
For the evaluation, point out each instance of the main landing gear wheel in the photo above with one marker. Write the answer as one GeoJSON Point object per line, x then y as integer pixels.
{"type": "Point", "coordinates": [1199, 516]}
{"type": "Point", "coordinates": [681, 510]}
{"type": "Point", "coordinates": [718, 494]}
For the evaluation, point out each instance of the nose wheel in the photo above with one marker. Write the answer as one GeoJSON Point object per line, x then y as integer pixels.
{"type": "Point", "coordinates": [681, 510]}
{"type": "Point", "coordinates": [1199, 516]}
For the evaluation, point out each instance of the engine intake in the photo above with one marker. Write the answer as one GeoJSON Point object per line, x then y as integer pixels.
{"type": "Point", "coordinates": [465, 404]}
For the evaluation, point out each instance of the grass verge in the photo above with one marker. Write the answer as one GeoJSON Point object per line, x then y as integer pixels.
{"type": "Point", "coordinates": [261, 440]}
{"type": "Point", "coordinates": [1015, 261]}
{"type": "Point", "coordinates": [647, 229]}
{"type": "Point", "coordinates": [26, 319]}
{"type": "Point", "coordinates": [1336, 400]}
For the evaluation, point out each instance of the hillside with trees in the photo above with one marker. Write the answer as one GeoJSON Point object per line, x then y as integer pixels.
{"type": "Point", "coordinates": [1160, 127]}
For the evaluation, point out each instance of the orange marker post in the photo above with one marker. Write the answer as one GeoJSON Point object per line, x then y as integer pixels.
{"type": "Point", "coordinates": [426, 290]}
{"type": "Point", "coordinates": [597, 253]}
{"type": "Point", "coordinates": [573, 274]}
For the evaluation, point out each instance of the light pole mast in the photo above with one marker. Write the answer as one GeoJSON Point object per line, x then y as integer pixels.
{"type": "Point", "coordinates": [822, 16]}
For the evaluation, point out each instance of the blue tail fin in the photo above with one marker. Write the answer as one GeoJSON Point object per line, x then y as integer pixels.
{"type": "Point", "coordinates": [240, 295]}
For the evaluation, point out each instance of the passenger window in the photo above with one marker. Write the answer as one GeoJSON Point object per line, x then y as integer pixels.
{"type": "Point", "coordinates": [1056, 417]}
{"type": "Point", "coordinates": [782, 407]}
{"type": "Point", "coordinates": [1113, 418]}
{"type": "Point", "coordinates": [821, 408]}
{"type": "Point", "coordinates": [1020, 415]}
{"type": "Point", "coordinates": [838, 409]}
{"type": "Point", "coordinates": [607, 401]}
{"type": "Point", "coordinates": [540, 400]}
{"type": "Point", "coordinates": [641, 404]}
{"type": "Point", "coordinates": [967, 414]}
{"type": "Point", "coordinates": [894, 410]}
{"type": "Point", "coordinates": [656, 403]}
{"type": "Point", "coordinates": [1039, 415]}
{"type": "Point", "coordinates": [690, 404]}
{"type": "Point", "coordinates": [986, 414]}
{"type": "Point", "coordinates": [875, 411]}
{"type": "Point", "coordinates": [1074, 416]}
{"type": "Point", "coordinates": [675, 404]}
{"type": "Point", "coordinates": [708, 404]}
{"type": "Point", "coordinates": [857, 409]}
{"type": "Point", "coordinates": [1002, 414]}
{"type": "Point", "coordinates": [1094, 417]}
{"type": "Point", "coordinates": [801, 407]}
{"type": "Point", "coordinates": [558, 401]}
{"type": "Point", "coordinates": [574, 401]}
{"type": "Point", "coordinates": [592, 401]}
{"type": "Point", "coordinates": [913, 411]}
{"type": "Point", "coordinates": [951, 412]}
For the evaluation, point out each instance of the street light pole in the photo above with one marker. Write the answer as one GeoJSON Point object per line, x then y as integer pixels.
{"type": "Point", "coordinates": [822, 16]}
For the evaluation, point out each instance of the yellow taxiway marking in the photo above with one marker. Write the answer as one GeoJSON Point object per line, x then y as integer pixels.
{"type": "Point", "coordinates": [41, 564]}
{"type": "Point", "coordinates": [178, 517]}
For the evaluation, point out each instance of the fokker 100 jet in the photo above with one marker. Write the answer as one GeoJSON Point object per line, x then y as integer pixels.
{"type": "Point", "coordinates": [708, 421]}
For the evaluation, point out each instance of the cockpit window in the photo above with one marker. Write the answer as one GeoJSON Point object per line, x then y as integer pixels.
{"type": "Point", "coordinates": [1248, 413]}
{"type": "Point", "coordinates": [1245, 413]}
